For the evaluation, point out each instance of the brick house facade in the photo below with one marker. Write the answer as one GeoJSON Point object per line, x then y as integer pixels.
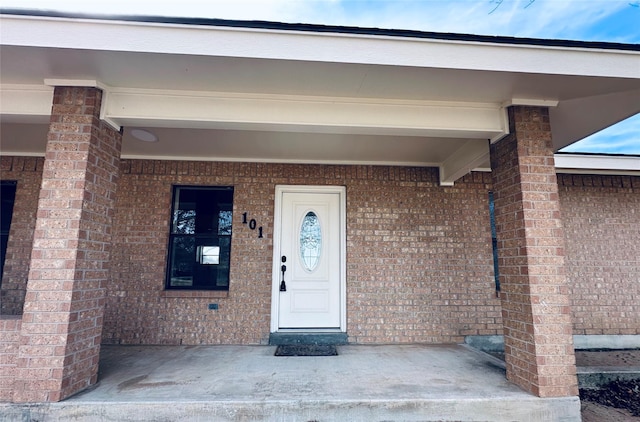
{"type": "Point", "coordinates": [89, 244]}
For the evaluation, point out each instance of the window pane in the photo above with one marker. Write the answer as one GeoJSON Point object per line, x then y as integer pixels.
{"type": "Point", "coordinates": [7, 196]}
{"type": "Point", "coordinates": [222, 278]}
{"type": "Point", "coordinates": [310, 241]}
{"type": "Point", "coordinates": [184, 221]}
{"type": "Point", "coordinates": [182, 261]}
{"type": "Point", "coordinates": [200, 244]}
{"type": "Point", "coordinates": [224, 223]}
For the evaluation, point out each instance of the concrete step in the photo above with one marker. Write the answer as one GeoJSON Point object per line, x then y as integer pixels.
{"type": "Point", "coordinates": [336, 339]}
{"type": "Point", "coordinates": [310, 410]}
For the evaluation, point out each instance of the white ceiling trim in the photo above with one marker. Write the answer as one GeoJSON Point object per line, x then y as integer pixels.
{"type": "Point", "coordinates": [21, 154]}
{"type": "Point", "coordinates": [215, 110]}
{"type": "Point", "coordinates": [284, 161]}
{"type": "Point", "coordinates": [564, 163]}
{"type": "Point", "coordinates": [201, 40]}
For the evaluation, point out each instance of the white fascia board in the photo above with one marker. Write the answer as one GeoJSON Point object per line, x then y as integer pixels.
{"type": "Point", "coordinates": [180, 39]}
{"type": "Point", "coordinates": [295, 113]}
{"type": "Point", "coordinates": [25, 102]}
{"type": "Point", "coordinates": [597, 164]}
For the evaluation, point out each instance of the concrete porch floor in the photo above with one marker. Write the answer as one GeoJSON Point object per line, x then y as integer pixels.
{"type": "Point", "coordinates": [248, 383]}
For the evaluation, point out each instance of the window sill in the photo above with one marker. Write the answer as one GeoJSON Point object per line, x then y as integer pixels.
{"type": "Point", "coordinates": [195, 294]}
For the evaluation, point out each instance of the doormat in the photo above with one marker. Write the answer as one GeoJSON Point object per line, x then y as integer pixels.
{"type": "Point", "coordinates": [306, 350]}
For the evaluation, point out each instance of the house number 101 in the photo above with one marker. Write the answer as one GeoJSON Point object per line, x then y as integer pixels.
{"type": "Point", "coordinates": [252, 224]}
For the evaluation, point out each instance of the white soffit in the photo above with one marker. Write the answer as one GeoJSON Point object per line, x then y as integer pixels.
{"type": "Point", "coordinates": [578, 118]}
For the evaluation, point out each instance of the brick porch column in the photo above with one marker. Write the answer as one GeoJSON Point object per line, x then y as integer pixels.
{"type": "Point", "coordinates": [535, 297]}
{"type": "Point", "coordinates": [64, 304]}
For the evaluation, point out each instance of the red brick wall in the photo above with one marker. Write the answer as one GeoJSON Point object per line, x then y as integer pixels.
{"type": "Point", "coordinates": [9, 342]}
{"type": "Point", "coordinates": [419, 266]}
{"type": "Point", "coordinates": [27, 171]}
{"type": "Point", "coordinates": [602, 228]}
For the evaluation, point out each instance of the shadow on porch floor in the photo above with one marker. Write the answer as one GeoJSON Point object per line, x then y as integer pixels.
{"type": "Point", "coordinates": [248, 383]}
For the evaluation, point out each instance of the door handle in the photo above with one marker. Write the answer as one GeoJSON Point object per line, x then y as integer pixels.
{"type": "Point", "coordinates": [283, 269]}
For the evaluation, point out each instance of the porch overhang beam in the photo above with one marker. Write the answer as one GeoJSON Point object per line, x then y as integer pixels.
{"type": "Point", "coordinates": [286, 113]}
{"type": "Point", "coordinates": [471, 155]}
{"type": "Point", "coordinates": [25, 103]}
{"type": "Point", "coordinates": [290, 113]}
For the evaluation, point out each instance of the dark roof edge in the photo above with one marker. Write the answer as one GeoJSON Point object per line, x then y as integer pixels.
{"type": "Point", "coordinates": [304, 27]}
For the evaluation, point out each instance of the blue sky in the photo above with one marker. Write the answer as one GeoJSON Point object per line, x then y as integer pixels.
{"type": "Point", "coordinates": [587, 20]}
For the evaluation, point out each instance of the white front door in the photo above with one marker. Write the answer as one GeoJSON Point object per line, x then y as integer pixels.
{"type": "Point", "coordinates": [308, 288]}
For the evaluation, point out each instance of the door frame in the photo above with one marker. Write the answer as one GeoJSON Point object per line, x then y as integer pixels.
{"type": "Point", "coordinates": [277, 228]}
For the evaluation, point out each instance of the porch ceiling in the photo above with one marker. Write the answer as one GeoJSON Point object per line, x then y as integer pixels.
{"type": "Point", "coordinates": [229, 93]}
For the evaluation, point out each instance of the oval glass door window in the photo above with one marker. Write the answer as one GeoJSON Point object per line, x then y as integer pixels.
{"type": "Point", "coordinates": [310, 241]}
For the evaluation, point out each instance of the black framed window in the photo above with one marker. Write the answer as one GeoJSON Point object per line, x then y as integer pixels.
{"type": "Point", "coordinates": [8, 197]}
{"type": "Point", "coordinates": [200, 238]}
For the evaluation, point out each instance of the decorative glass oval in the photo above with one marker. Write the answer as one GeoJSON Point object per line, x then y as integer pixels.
{"type": "Point", "coordinates": [310, 241]}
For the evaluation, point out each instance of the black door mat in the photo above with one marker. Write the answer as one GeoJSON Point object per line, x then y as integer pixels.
{"type": "Point", "coordinates": [306, 350]}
